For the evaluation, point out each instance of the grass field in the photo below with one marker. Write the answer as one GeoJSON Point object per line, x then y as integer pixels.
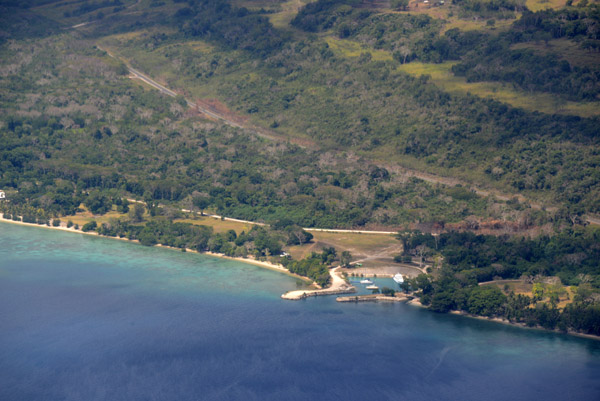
{"type": "Point", "coordinates": [289, 9]}
{"type": "Point", "coordinates": [537, 5]}
{"type": "Point", "coordinates": [443, 77]}
{"type": "Point", "coordinates": [86, 216]}
{"type": "Point", "coordinates": [349, 49]}
{"type": "Point", "coordinates": [449, 13]}
{"type": "Point", "coordinates": [219, 226]}
{"type": "Point", "coordinates": [359, 245]}
{"type": "Point", "coordinates": [474, 25]}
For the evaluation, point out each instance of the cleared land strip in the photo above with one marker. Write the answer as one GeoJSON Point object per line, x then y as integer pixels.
{"type": "Point", "coordinates": [163, 89]}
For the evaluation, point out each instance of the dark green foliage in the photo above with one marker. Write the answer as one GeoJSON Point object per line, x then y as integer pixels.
{"type": "Point", "coordinates": [237, 28]}
{"type": "Point", "coordinates": [323, 14]}
{"type": "Point", "coordinates": [582, 317]}
{"type": "Point", "coordinates": [91, 226]}
{"type": "Point", "coordinates": [388, 291]}
{"type": "Point", "coordinates": [485, 57]}
{"type": "Point", "coordinates": [494, 60]}
{"type": "Point", "coordinates": [231, 170]}
{"type": "Point", "coordinates": [98, 203]}
{"type": "Point", "coordinates": [266, 243]}
{"type": "Point", "coordinates": [442, 302]}
{"type": "Point", "coordinates": [567, 22]}
{"type": "Point", "coordinates": [19, 22]}
{"type": "Point", "coordinates": [531, 72]}
{"type": "Point", "coordinates": [312, 267]}
{"type": "Point", "coordinates": [297, 236]}
{"type": "Point", "coordinates": [201, 202]}
{"type": "Point", "coordinates": [137, 214]}
{"type": "Point", "coordinates": [485, 301]}
{"type": "Point", "coordinates": [89, 7]}
{"type": "Point", "coordinates": [568, 254]}
{"type": "Point", "coordinates": [147, 237]}
{"type": "Point", "coordinates": [345, 259]}
{"type": "Point", "coordinates": [573, 255]}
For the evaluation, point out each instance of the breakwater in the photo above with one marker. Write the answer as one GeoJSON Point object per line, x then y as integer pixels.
{"type": "Point", "coordinates": [373, 298]}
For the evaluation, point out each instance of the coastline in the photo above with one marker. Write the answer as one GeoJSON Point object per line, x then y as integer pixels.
{"type": "Point", "coordinates": [522, 325]}
{"type": "Point", "coordinates": [415, 302]}
{"type": "Point", "coordinates": [338, 287]}
{"type": "Point", "coordinates": [265, 265]}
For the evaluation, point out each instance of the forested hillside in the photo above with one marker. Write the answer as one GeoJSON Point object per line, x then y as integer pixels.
{"type": "Point", "coordinates": [95, 123]}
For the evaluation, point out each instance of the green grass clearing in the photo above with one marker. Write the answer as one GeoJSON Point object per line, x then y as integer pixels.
{"type": "Point", "coordinates": [218, 225]}
{"type": "Point", "coordinates": [537, 5]}
{"type": "Point", "coordinates": [442, 76]}
{"type": "Point", "coordinates": [349, 48]}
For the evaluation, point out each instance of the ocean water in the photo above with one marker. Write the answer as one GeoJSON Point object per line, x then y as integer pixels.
{"type": "Point", "coordinates": [86, 318]}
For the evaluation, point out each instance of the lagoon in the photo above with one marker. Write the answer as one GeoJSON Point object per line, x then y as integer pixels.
{"type": "Point", "coordinates": [89, 318]}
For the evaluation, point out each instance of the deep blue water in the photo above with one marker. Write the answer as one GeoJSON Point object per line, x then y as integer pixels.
{"type": "Point", "coordinates": [85, 318]}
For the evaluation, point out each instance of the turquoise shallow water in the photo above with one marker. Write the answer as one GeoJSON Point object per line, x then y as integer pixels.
{"type": "Point", "coordinates": [86, 318]}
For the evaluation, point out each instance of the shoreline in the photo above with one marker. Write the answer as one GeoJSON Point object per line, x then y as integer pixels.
{"type": "Point", "coordinates": [521, 325]}
{"type": "Point", "coordinates": [338, 287]}
{"type": "Point", "coordinates": [259, 263]}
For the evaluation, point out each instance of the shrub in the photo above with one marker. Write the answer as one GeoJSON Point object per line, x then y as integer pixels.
{"type": "Point", "coordinates": [91, 226]}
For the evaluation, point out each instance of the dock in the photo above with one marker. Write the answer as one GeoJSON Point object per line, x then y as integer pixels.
{"type": "Point", "coordinates": [297, 295]}
{"type": "Point", "coordinates": [338, 286]}
{"type": "Point", "coordinates": [373, 298]}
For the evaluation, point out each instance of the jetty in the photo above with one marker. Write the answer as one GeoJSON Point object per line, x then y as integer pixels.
{"type": "Point", "coordinates": [373, 298]}
{"type": "Point", "coordinates": [338, 286]}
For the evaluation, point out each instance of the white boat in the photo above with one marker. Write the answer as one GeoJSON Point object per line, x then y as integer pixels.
{"type": "Point", "coordinates": [366, 281]}
{"type": "Point", "coordinates": [372, 287]}
{"type": "Point", "coordinates": [398, 278]}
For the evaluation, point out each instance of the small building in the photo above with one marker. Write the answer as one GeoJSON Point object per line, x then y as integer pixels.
{"type": "Point", "coordinates": [2, 195]}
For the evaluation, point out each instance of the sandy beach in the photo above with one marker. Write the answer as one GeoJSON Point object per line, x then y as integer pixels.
{"type": "Point", "coordinates": [267, 265]}
{"type": "Point", "coordinates": [338, 286]}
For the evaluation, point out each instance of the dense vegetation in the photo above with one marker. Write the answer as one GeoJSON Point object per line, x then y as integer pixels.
{"type": "Point", "coordinates": [95, 144]}
{"type": "Point", "coordinates": [297, 87]}
{"type": "Point", "coordinates": [496, 61]}
{"type": "Point", "coordinates": [230, 26]}
{"type": "Point", "coordinates": [573, 256]}
{"type": "Point", "coordinates": [484, 56]}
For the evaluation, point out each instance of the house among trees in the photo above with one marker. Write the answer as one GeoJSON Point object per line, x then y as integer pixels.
{"type": "Point", "coordinates": [2, 195]}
